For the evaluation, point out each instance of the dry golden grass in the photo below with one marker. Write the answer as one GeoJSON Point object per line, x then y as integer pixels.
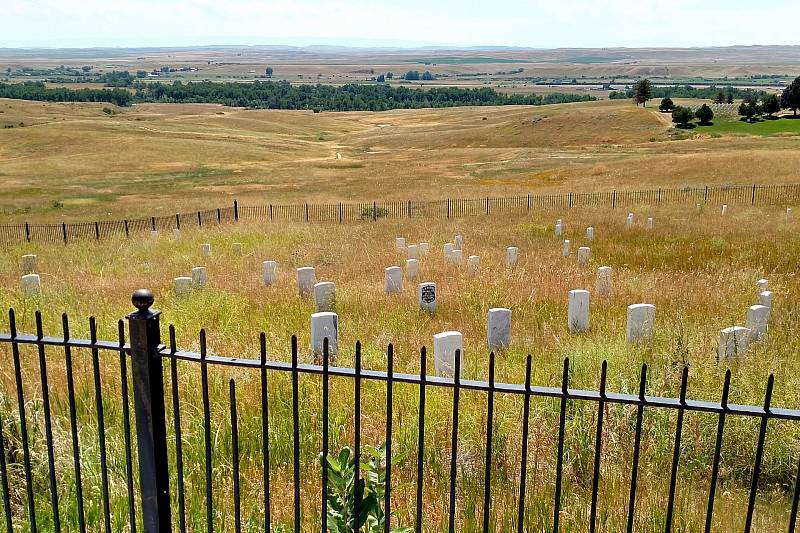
{"type": "Point", "coordinates": [161, 159]}
{"type": "Point", "coordinates": [699, 270]}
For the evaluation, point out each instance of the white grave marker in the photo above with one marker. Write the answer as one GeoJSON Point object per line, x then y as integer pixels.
{"type": "Point", "coordinates": [557, 230]}
{"type": "Point", "coordinates": [456, 256]}
{"type": "Point", "coordinates": [176, 233]}
{"type": "Point", "coordinates": [578, 311]}
{"type": "Point", "coordinates": [498, 328]}
{"type": "Point", "coordinates": [426, 296]}
{"type": "Point", "coordinates": [763, 285]}
{"type": "Point", "coordinates": [400, 243]}
{"type": "Point", "coordinates": [324, 325]}
{"type": "Point", "coordinates": [511, 256]}
{"type": "Point", "coordinates": [583, 255]}
{"type": "Point", "coordinates": [604, 285]}
{"type": "Point", "coordinates": [183, 286]}
{"type": "Point", "coordinates": [424, 247]}
{"type": "Point", "coordinates": [458, 242]}
{"type": "Point", "coordinates": [765, 299]}
{"type": "Point", "coordinates": [412, 251]}
{"type": "Point", "coordinates": [393, 280]}
{"type": "Point", "coordinates": [31, 284]}
{"type": "Point", "coordinates": [788, 213]}
{"type": "Point", "coordinates": [733, 341]}
{"type": "Point", "coordinates": [757, 317]}
{"type": "Point", "coordinates": [29, 264]}
{"type": "Point", "coordinates": [154, 234]}
{"type": "Point", "coordinates": [205, 250]}
{"type": "Point", "coordinates": [269, 272]}
{"type": "Point", "coordinates": [473, 265]}
{"type": "Point", "coordinates": [306, 278]}
{"type": "Point", "coordinates": [199, 277]}
{"type": "Point", "coordinates": [412, 269]}
{"type": "Point", "coordinates": [448, 250]}
{"type": "Point", "coordinates": [629, 221]}
{"type": "Point", "coordinates": [565, 248]}
{"type": "Point", "coordinates": [445, 345]}
{"type": "Point", "coordinates": [325, 296]}
{"type": "Point", "coordinates": [724, 208]}
{"type": "Point", "coordinates": [650, 223]}
{"type": "Point", "coordinates": [641, 322]}
{"type": "Point", "coordinates": [237, 248]}
{"type": "Point", "coordinates": [590, 233]}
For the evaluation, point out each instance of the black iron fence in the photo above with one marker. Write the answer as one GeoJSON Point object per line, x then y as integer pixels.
{"type": "Point", "coordinates": [162, 507]}
{"type": "Point", "coordinates": [372, 211]}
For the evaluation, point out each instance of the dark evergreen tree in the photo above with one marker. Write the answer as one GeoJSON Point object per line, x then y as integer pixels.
{"type": "Point", "coordinates": [790, 98]}
{"type": "Point", "coordinates": [642, 92]}
{"type": "Point", "coordinates": [667, 105]}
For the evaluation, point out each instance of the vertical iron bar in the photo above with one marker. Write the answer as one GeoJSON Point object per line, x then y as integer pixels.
{"type": "Point", "coordinates": [307, 221]}
{"type": "Point", "coordinates": [753, 198]}
{"type": "Point", "coordinates": [523, 473]}
{"type": "Point", "coordinates": [151, 427]}
{"type": "Point", "coordinates": [236, 211]}
{"type": "Point", "coordinates": [421, 437]}
{"type": "Point", "coordinates": [795, 500]}
{"type": "Point", "coordinates": [676, 452]}
{"type": "Point", "coordinates": [389, 416]}
{"type": "Point", "coordinates": [96, 231]}
{"type": "Point", "coordinates": [296, 434]}
{"type": "Point", "coordinates": [64, 231]}
{"type": "Point", "coordinates": [454, 442]}
{"type": "Point", "coordinates": [176, 416]}
{"type": "Point", "coordinates": [717, 450]}
{"type": "Point", "coordinates": [27, 232]}
{"type": "Point", "coordinates": [126, 423]}
{"type": "Point", "coordinates": [127, 233]}
{"type": "Point", "coordinates": [374, 211]}
{"type": "Point", "coordinates": [207, 433]}
{"type": "Point", "coordinates": [357, 437]}
{"type": "Point", "coordinates": [73, 419]}
{"type": "Point", "coordinates": [177, 221]}
{"type": "Point", "coordinates": [762, 433]}
{"type": "Point", "coordinates": [237, 501]}
{"type": "Point", "coordinates": [23, 424]}
{"type": "Point", "coordinates": [48, 426]}
{"type": "Point", "coordinates": [325, 399]}
{"type": "Point", "coordinates": [4, 481]}
{"type": "Point", "coordinates": [265, 430]}
{"type": "Point", "coordinates": [562, 420]}
{"type": "Point", "coordinates": [613, 199]}
{"type": "Point", "coordinates": [487, 475]}
{"type": "Point", "coordinates": [598, 445]}
{"type": "Point", "coordinates": [636, 446]}
{"type": "Point", "coordinates": [219, 216]}
{"type": "Point", "coordinates": [101, 431]}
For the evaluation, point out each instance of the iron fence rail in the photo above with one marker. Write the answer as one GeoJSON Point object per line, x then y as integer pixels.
{"type": "Point", "coordinates": [372, 211]}
{"type": "Point", "coordinates": [154, 386]}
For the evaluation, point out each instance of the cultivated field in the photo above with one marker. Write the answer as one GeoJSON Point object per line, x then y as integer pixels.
{"type": "Point", "coordinates": [75, 162]}
{"type": "Point", "coordinates": [699, 269]}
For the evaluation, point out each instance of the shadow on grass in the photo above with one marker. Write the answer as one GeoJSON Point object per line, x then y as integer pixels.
{"type": "Point", "coordinates": [689, 126]}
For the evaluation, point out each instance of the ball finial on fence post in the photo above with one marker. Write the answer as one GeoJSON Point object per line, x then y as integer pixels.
{"type": "Point", "coordinates": [142, 300]}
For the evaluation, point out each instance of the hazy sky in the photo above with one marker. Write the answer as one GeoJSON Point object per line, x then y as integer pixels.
{"type": "Point", "coordinates": [536, 23]}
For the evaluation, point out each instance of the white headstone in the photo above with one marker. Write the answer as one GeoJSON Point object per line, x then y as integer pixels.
{"type": "Point", "coordinates": [154, 233]}
{"type": "Point", "coordinates": [412, 251]}
{"type": "Point", "coordinates": [306, 278]}
{"type": "Point", "coordinates": [31, 284]}
{"type": "Point", "coordinates": [605, 284]}
{"type": "Point", "coordinates": [590, 233]}
{"type": "Point", "coordinates": [650, 223]}
{"type": "Point", "coordinates": [757, 318]}
{"type": "Point", "coordinates": [629, 221]}
{"type": "Point", "coordinates": [724, 208]}
{"type": "Point", "coordinates": [412, 269]}
{"type": "Point", "coordinates": [176, 233]}
{"type": "Point", "coordinates": [424, 247]}
{"type": "Point", "coordinates": [765, 298]}
{"type": "Point", "coordinates": [28, 264]}
{"type": "Point", "coordinates": [788, 213]}
{"type": "Point", "coordinates": [763, 285]}
{"type": "Point", "coordinates": [458, 242]}
{"type": "Point", "coordinates": [699, 208]}
{"type": "Point", "coordinates": [558, 230]}
{"type": "Point", "coordinates": [733, 341]}
{"type": "Point", "coordinates": [641, 322]}
{"type": "Point", "coordinates": [400, 243]}
{"type": "Point", "coordinates": [448, 250]}
{"type": "Point", "coordinates": [473, 265]}
{"type": "Point", "coordinates": [511, 256]}
{"type": "Point", "coordinates": [393, 280]}
{"type": "Point", "coordinates": [324, 325]}
{"type": "Point", "coordinates": [445, 345]}
{"type": "Point", "coordinates": [583, 255]}
{"type": "Point", "coordinates": [578, 310]}
{"type": "Point", "coordinates": [199, 277]}
{"type": "Point", "coordinates": [183, 286]}
{"type": "Point", "coordinates": [269, 271]}
{"type": "Point", "coordinates": [456, 256]}
{"type": "Point", "coordinates": [205, 250]}
{"type": "Point", "coordinates": [565, 248]}
{"type": "Point", "coordinates": [498, 328]}
{"type": "Point", "coordinates": [237, 248]}
{"type": "Point", "coordinates": [325, 296]}
{"type": "Point", "coordinates": [426, 296]}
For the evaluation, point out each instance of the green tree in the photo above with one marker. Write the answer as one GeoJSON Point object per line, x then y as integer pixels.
{"type": "Point", "coordinates": [412, 75]}
{"type": "Point", "coordinates": [748, 110]}
{"type": "Point", "coordinates": [720, 97]}
{"type": "Point", "coordinates": [381, 78]}
{"type": "Point", "coordinates": [667, 105]}
{"type": "Point", "coordinates": [770, 104]}
{"type": "Point", "coordinates": [704, 114]}
{"type": "Point", "coordinates": [642, 92]}
{"type": "Point", "coordinates": [268, 72]}
{"type": "Point", "coordinates": [790, 98]}
{"type": "Point", "coordinates": [86, 68]}
{"type": "Point", "coordinates": [427, 76]}
{"type": "Point", "coordinates": [682, 116]}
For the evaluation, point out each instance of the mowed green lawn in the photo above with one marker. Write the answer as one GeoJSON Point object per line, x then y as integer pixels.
{"type": "Point", "coordinates": [784, 125]}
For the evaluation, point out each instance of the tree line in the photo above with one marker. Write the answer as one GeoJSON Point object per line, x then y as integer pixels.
{"type": "Point", "coordinates": [283, 95]}
{"type": "Point", "coordinates": [719, 95]}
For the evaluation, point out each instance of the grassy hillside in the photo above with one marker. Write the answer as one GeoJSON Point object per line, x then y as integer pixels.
{"type": "Point", "coordinates": [68, 161]}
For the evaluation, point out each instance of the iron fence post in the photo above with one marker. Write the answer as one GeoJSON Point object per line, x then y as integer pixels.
{"type": "Point", "coordinates": [96, 231]}
{"type": "Point", "coordinates": [178, 221]}
{"type": "Point", "coordinates": [64, 231]}
{"type": "Point", "coordinates": [236, 211]}
{"type": "Point", "coordinates": [127, 232]}
{"type": "Point", "coordinates": [27, 232]}
{"type": "Point", "coordinates": [151, 429]}
{"type": "Point", "coordinates": [613, 199]}
{"type": "Point", "coordinates": [753, 198]}
{"type": "Point", "coordinates": [153, 223]}
{"type": "Point", "coordinates": [374, 211]}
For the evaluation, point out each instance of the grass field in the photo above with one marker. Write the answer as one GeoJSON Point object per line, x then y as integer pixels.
{"type": "Point", "coordinates": [699, 269]}
{"type": "Point", "coordinates": [767, 127]}
{"type": "Point", "coordinates": [73, 162]}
